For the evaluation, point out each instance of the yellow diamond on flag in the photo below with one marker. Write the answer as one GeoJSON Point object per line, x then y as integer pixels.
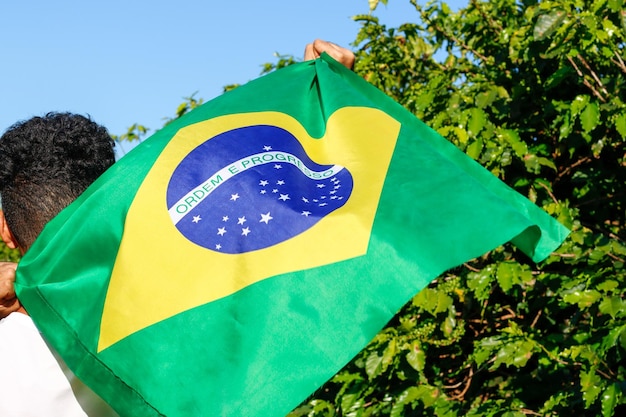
{"type": "Point", "coordinates": [147, 286]}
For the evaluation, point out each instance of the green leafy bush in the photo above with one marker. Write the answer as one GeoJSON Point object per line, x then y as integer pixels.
{"type": "Point", "coordinates": [534, 92]}
{"type": "Point", "coordinates": [6, 254]}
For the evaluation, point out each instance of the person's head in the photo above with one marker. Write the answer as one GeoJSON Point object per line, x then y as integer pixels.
{"type": "Point", "coordinates": [45, 164]}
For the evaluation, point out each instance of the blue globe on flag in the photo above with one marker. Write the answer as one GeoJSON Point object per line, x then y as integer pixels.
{"type": "Point", "coordinates": [251, 188]}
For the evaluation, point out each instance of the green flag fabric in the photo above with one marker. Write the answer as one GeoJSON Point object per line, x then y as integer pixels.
{"type": "Point", "coordinates": [238, 258]}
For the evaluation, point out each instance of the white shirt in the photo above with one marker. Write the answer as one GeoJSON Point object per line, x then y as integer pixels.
{"type": "Point", "coordinates": [32, 383]}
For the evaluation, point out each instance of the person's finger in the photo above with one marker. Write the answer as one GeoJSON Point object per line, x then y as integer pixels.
{"type": "Point", "coordinates": [338, 53]}
{"type": "Point", "coordinates": [310, 53]}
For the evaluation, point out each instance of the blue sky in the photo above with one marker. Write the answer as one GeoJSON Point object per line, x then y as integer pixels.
{"type": "Point", "coordinates": [133, 61]}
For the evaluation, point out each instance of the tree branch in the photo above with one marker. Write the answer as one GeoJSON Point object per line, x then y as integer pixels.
{"type": "Point", "coordinates": [619, 62]}
{"type": "Point", "coordinates": [461, 44]}
{"type": "Point", "coordinates": [585, 81]}
{"type": "Point", "coordinates": [572, 167]}
{"type": "Point", "coordinates": [593, 74]}
{"type": "Point", "coordinates": [485, 16]}
{"type": "Point", "coordinates": [549, 192]}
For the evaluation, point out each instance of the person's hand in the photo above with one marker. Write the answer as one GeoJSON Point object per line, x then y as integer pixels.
{"type": "Point", "coordinates": [8, 301]}
{"type": "Point", "coordinates": [342, 55]}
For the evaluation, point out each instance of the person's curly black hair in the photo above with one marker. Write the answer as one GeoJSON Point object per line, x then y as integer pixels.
{"type": "Point", "coordinates": [45, 164]}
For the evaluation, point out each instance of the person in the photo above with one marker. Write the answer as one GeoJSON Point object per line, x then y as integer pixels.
{"type": "Point", "coordinates": [45, 164]}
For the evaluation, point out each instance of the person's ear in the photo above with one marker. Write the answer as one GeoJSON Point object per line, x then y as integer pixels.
{"type": "Point", "coordinates": [5, 233]}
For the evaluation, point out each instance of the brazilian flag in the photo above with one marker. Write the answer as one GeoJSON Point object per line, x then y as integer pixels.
{"type": "Point", "coordinates": [242, 255]}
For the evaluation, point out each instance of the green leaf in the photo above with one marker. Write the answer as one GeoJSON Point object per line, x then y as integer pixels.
{"type": "Point", "coordinates": [444, 301]}
{"type": "Point", "coordinates": [484, 348]}
{"type": "Point", "coordinates": [407, 396]}
{"type": "Point", "coordinates": [590, 117]}
{"type": "Point", "coordinates": [389, 353]}
{"type": "Point", "coordinates": [613, 306]}
{"type": "Point", "coordinates": [547, 24]}
{"type": "Point", "coordinates": [620, 125]}
{"type": "Point", "coordinates": [546, 162]}
{"type": "Point", "coordinates": [432, 300]}
{"type": "Point", "coordinates": [608, 286]}
{"type": "Point", "coordinates": [618, 248]}
{"type": "Point", "coordinates": [512, 138]}
{"type": "Point", "coordinates": [509, 274]}
{"type": "Point", "coordinates": [351, 401]}
{"type": "Point", "coordinates": [613, 338]}
{"type": "Point", "coordinates": [579, 104]}
{"type": "Point", "coordinates": [591, 386]}
{"type": "Point", "coordinates": [461, 134]}
{"type": "Point", "coordinates": [484, 99]}
{"type": "Point", "coordinates": [559, 75]}
{"type": "Point", "coordinates": [182, 108]}
{"type": "Point", "coordinates": [514, 353]}
{"type": "Point", "coordinates": [480, 283]}
{"type": "Point", "coordinates": [475, 148]}
{"type": "Point", "coordinates": [609, 400]}
{"type": "Point", "coordinates": [426, 299]}
{"type": "Point", "coordinates": [584, 298]}
{"type": "Point", "coordinates": [505, 276]}
{"type": "Point", "coordinates": [534, 163]}
{"type": "Point", "coordinates": [609, 28]}
{"type": "Point", "coordinates": [477, 121]}
{"type": "Point", "coordinates": [373, 365]}
{"type": "Point", "coordinates": [427, 394]}
{"type": "Point", "coordinates": [416, 358]}
{"type": "Point", "coordinates": [566, 127]}
{"type": "Point", "coordinates": [397, 409]}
